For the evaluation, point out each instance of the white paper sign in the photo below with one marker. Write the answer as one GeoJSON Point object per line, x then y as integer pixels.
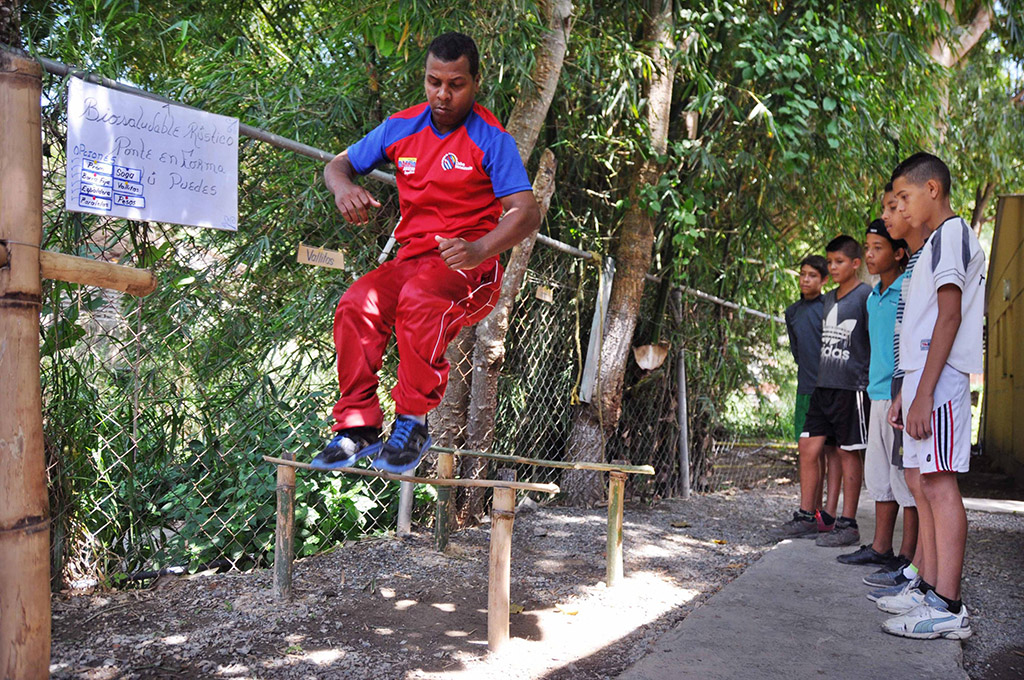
{"type": "Point", "coordinates": [133, 157]}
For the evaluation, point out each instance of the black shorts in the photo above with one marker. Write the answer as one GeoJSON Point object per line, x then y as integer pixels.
{"type": "Point", "coordinates": [839, 414]}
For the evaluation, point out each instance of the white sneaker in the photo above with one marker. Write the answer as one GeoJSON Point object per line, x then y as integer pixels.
{"type": "Point", "coordinates": [902, 602]}
{"type": "Point", "coordinates": [876, 595]}
{"type": "Point", "coordinates": [929, 620]}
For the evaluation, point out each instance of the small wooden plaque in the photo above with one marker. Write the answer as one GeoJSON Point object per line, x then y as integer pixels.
{"type": "Point", "coordinates": [334, 259]}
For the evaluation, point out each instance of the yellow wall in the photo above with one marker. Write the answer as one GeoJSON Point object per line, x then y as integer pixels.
{"type": "Point", "coordinates": [1003, 426]}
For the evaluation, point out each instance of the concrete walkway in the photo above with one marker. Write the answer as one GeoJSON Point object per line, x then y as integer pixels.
{"type": "Point", "coordinates": [795, 613]}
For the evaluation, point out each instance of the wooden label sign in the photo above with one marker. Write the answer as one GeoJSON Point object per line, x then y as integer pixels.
{"type": "Point", "coordinates": [546, 294]}
{"type": "Point", "coordinates": [335, 259]}
{"type": "Point", "coordinates": [133, 157]}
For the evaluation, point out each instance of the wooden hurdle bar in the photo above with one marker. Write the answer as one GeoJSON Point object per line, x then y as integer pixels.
{"type": "Point", "coordinates": [503, 510]}
{"type": "Point", "coordinates": [617, 473]}
{"type": "Point", "coordinates": [502, 518]}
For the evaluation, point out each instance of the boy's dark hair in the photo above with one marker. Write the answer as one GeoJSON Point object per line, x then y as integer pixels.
{"type": "Point", "coordinates": [450, 46]}
{"type": "Point", "coordinates": [847, 245]}
{"type": "Point", "coordinates": [922, 167]}
{"type": "Point", "coordinates": [888, 187]}
{"type": "Point", "coordinates": [818, 262]}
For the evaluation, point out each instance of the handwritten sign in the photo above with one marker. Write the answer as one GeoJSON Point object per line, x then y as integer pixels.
{"type": "Point", "coordinates": [335, 259]}
{"type": "Point", "coordinates": [133, 157]}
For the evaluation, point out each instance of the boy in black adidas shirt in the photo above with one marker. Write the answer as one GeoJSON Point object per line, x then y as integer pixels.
{"type": "Point", "coordinates": [839, 404]}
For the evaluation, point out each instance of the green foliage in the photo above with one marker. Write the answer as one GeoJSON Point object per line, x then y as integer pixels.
{"type": "Point", "coordinates": [786, 120]}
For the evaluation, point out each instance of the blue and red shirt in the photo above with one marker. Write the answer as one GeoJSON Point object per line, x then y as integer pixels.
{"type": "Point", "coordinates": [449, 184]}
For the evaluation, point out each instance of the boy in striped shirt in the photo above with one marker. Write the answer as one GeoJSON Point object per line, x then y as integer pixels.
{"type": "Point", "coordinates": [940, 346]}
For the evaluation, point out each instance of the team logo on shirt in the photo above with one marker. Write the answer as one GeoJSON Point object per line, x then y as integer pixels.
{"type": "Point", "coordinates": [450, 161]}
{"type": "Point", "coordinates": [407, 165]}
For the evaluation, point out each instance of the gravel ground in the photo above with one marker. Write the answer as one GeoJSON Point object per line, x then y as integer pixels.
{"type": "Point", "coordinates": [395, 608]}
{"type": "Point", "coordinates": [993, 589]}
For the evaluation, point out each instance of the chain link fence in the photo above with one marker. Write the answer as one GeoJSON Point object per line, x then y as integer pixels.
{"type": "Point", "coordinates": [157, 410]}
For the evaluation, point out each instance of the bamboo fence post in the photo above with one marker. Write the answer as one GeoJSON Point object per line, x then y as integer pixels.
{"type": "Point", "coordinates": [613, 549]}
{"type": "Point", "coordinates": [405, 497]}
{"type": "Point", "coordinates": [284, 538]}
{"type": "Point", "coordinates": [503, 511]}
{"type": "Point", "coordinates": [24, 504]}
{"type": "Point", "coordinates": [445, 470]}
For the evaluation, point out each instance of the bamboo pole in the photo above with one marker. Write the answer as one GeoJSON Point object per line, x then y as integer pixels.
{"type": "Point", "coordinates": [565, 464]}
{"type": "Point", "coordinates": [503, 512]}
{"type": "Point", "coordinates": [442, 514]}
{"type": "Point", "coordinates": [613, 549]}
{"type": "Point", "coordinates": [284, 533]}
{"type": "Point", "coordinates": [363, 472]}
{"type": "Point", "coordinates": [24, 505]}
{"type": "Point", "coordinates": [91, 272]}
{"type": "Point", "coordinates": [405, 494]}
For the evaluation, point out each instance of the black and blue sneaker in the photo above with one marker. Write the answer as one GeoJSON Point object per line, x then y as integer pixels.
{"type": "Point", "coordinates": [347, 447]}
{"type": "Point", "coordinates": [405, 447]}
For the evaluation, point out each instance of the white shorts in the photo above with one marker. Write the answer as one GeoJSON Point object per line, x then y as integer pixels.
{"type": "Point", "coordinates": [949, 447]}
{"type": "Point", "coordinates": [885, 481]}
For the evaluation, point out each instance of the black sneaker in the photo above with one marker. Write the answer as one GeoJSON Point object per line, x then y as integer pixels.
{"type": "Point", "coordinates": [897, 562]}
{"type": "Point", "coordinates": [405, 447]}
{"type": "Point", "coordinates": [347, 447]}
{"type": "Point", "coordinates": [866, 555]}
{"type": "Point", "coordinates": [799, 527]}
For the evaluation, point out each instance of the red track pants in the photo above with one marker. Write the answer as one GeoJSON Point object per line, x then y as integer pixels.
{"type": "Point", "coordinates": [426, 304]}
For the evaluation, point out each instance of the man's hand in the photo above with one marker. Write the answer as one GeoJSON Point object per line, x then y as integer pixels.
{"type": "Point", "coordinates": [354, 203]}
{"type": "Point", "coordinates": [895, 416]}
{"type": "Point", "coordinates": [919, 417]}
{"type": "Point", "coordinates": [459, 253]}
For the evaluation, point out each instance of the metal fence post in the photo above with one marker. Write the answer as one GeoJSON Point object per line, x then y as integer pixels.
{"type": "Point", "coordinates": [684, 431]}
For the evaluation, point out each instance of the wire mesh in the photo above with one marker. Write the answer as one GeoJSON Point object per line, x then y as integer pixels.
{"type": "Point", "coordinates": [157, 410]}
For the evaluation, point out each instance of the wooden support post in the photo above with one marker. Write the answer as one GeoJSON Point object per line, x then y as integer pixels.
{"type": "Point", "coordinates": [24, 504]}
{"type": "Point", "coordinates": [405, 498]}
{"type": "Point", "coordinates": [503, 511]}
{"type": "Point", "coordinates": [284, 534]}
{"type": "Point", "coordinates": [613, 550]}
{"type": "Point", "coordinates": [442, 514]}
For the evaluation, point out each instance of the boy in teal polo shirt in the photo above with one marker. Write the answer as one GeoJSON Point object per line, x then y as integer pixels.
{"type": "Point", "coordinates": [885, 258]}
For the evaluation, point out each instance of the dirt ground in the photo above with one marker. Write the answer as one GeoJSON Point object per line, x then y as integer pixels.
{"type": "Point", "coordinates": [395, 608]}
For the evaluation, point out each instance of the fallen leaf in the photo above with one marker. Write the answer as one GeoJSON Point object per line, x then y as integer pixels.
{"type": "Point", "coordinates": [565, 609]}
{"type": "Point", "coordinates": [719, 541]}
{"type": "Point", "coordinates": [515, 609]}
{"type": "Point", "coordinates": [1018, 652]}
{"type": "Point", "coordinates": [680, 525]}
{"type": "Point", "coordinates": [735, 565]}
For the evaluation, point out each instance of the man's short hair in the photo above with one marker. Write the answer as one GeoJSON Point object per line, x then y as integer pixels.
{"type": "Point", "coordinates": [888, 187]}
{"type": "Point", "coordinates": [847, 245]}
{"type": "Point", "coordinates": [922, 167]}
{"type": "Point", "coordinates": [818, 262]}
{"type": "Point", "coordinates": [450, 46]}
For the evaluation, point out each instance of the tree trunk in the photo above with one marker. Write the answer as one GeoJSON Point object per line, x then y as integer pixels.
{"type": "Point", "coordinates": [532, 107]}
{"type": "Point", "coordinates": [950, 51]}
{"type": "Point", "coordinates": [982, 195]}
{"type": "Point", "coordinates": [448, 420]}
{"type": "Point", "coordinates": [597, 421]}
{"type": "Point", "coordinates": [489, 348]}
